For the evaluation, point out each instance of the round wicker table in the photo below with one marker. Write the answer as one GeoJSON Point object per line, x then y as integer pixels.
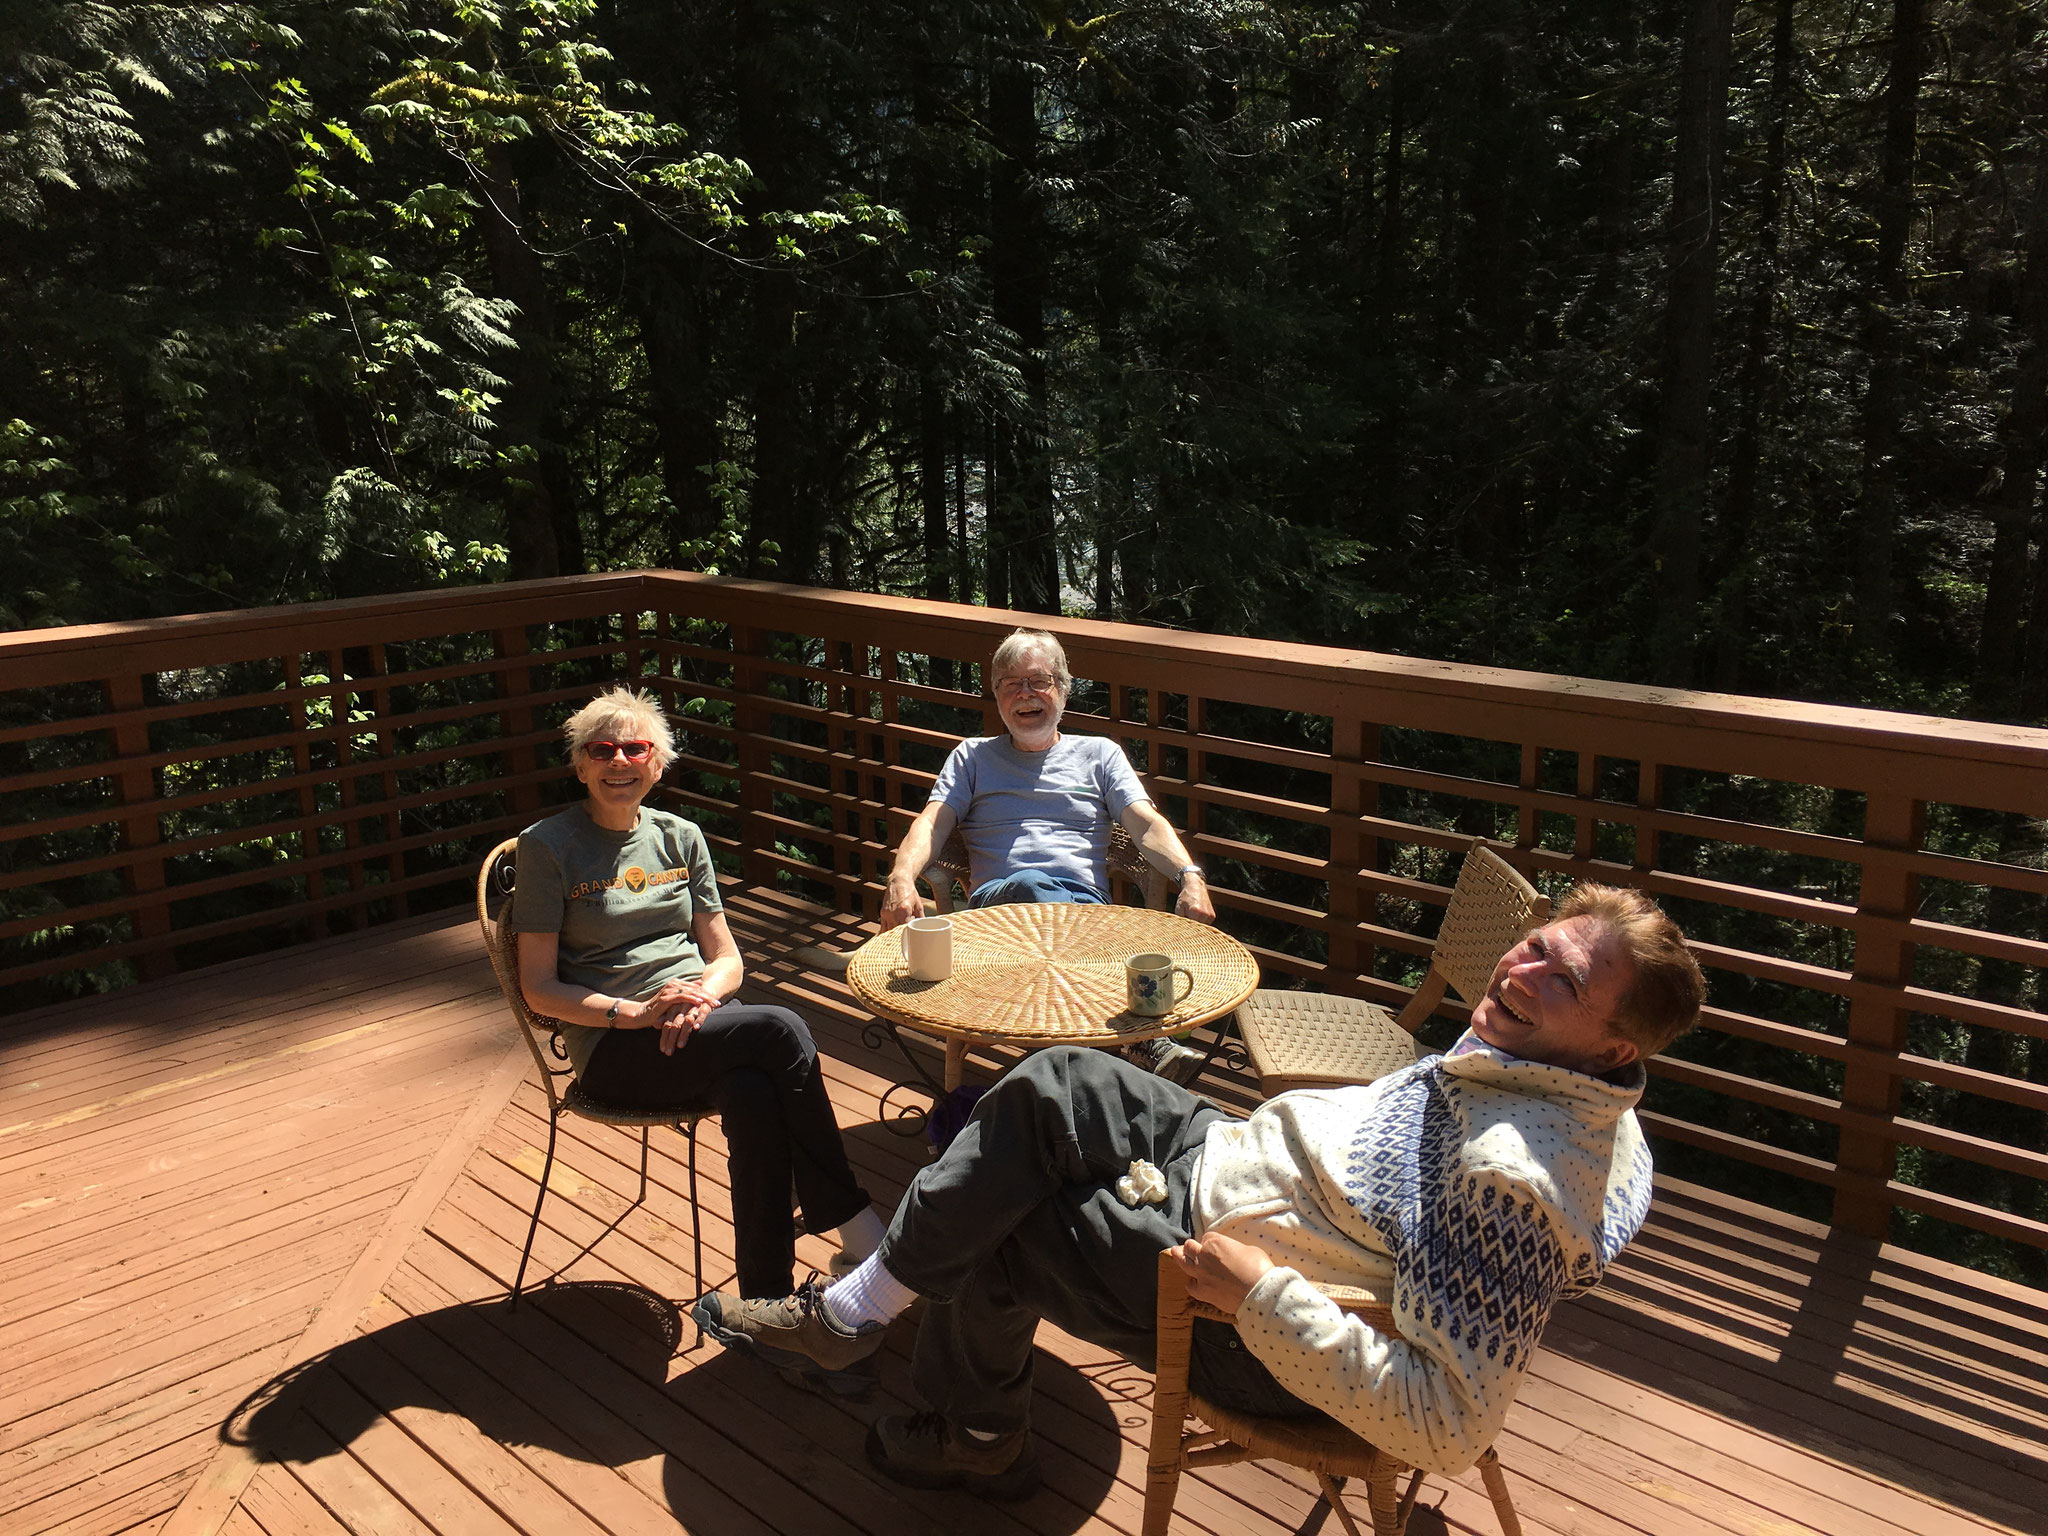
{"type": "Point", "coordinates": [1030, 975]}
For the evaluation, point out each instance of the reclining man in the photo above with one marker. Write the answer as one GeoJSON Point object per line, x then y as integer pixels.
{"type": "Point", "coordinates": [1034, 807]}
{"type": "Point", "coordinates": [1474, 1190]}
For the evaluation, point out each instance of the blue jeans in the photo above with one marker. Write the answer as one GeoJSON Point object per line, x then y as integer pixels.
{"type": "Point", "coordinates": [1019, 1220]}
{"type": "Point", "coordinates": [1033, 885]}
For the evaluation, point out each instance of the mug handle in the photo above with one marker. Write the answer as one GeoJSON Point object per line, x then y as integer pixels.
{"type": "Point", "coordinates": [903, 944]}
{"type": "Point", "coordinates": [1181, 996]}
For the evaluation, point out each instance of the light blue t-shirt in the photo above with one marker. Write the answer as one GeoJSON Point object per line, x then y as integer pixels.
{"type": "Point", "coordinates": [1047, 810]}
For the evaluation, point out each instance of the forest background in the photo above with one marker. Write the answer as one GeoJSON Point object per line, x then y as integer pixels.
{"type": "Point", "coordinates": [1689, 341]}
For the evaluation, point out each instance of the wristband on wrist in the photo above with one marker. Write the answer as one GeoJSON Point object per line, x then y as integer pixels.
{"type": "Point", "coordinates": [611, 1014]}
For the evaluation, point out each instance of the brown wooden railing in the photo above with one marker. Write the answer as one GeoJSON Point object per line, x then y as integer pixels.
{"type": "Point", "coordinates": [1865, 888]}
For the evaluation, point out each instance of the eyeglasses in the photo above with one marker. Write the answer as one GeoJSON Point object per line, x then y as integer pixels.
{"type": "Point", "coordinates": [1037, 682]}
{"type": "Point", "coordinates": [631, 751]}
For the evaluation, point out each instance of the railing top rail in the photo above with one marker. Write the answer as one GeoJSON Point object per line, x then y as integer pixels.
{"type": "Point", "coordinates": [1702, 730]}
{"type": "Point", "coordinates": [1850, 748]}
{"type": "Point", "coordinates": [41, 658]}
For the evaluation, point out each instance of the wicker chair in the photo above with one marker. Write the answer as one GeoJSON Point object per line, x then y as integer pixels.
{"type": "Point", "coordinates": [949, 867]}
{"type": "Point", "coordinates": [1312, 1039]}
{"type": "Point", "coordinates": [1319, 1445]}
{"type": "Point", "coordinates": [494, 885]}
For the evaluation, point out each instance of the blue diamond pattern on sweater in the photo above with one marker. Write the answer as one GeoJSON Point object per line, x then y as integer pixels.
{"type": "Point", "coordinates": [1482, 1268]}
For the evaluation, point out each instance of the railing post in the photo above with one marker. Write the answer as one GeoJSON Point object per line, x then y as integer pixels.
{"type": "Point", "coordinates": [750, 747]}
{"type": "Point", "coordinates": [387, 749]}
{"type": "Point", "coordinates": [1649, 797]}
{"type": "Point", "coordinates": [629, 636]}
{"type": "Point", "coordinates": [1586, 825]}
{"type": "Point", "coordinates": [516, 683]}
{"type": "Point", "coordinates": [1865, 1159]}
{"type": "Point", "coordinates": [141, 828]}
{"type": "Point", "coordinates": [1198, 766]}
{"type": "Point", "coordinates": [344, 757]}
{"type": "Point", "coordinates": [1527, 827]}
{"type": "Point", "coordinates": [887, 753]}
{"type": "Point", "coordinates": [1350, 957]}
{"type": "Point", "coordinates": [309, 802]}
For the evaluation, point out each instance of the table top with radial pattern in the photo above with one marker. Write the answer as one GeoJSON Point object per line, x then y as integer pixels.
{"type": "Point", "coordinates": [1033, 974]}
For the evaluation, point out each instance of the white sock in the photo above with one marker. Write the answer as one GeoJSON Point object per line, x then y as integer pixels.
{"type": "Point", "coordinates": [863, 1235]}
{"type": "Point", "coordinates": [869, 1295]}
{"type": "Point", "coordinates": [986, 1436]}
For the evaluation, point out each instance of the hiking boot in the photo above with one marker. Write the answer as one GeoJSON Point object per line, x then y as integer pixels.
{"type": "Point", "coordinates": [1166, 1057]}
{"type": "Point", "coordinates": [794, 1336]}
{"type": "Point", "coordinates": [923, 1450]}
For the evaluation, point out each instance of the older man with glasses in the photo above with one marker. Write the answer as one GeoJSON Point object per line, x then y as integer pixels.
{"type": "Point", "coordinates": [1034, 807]}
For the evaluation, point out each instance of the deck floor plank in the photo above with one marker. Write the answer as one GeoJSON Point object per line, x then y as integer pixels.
{"type": "Point", "coordinates": [281, 1506]}
{"type": "Point", "coordinates": [192, 1165]}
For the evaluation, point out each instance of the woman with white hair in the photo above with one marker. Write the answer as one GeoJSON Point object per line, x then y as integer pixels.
{"type": "Point", "coordinates": [623, 941]}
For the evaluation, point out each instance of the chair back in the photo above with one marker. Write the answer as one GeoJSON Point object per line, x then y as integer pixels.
{"type": "Point", "coordinates": [1319, 1445]}
{"type": "Point", "coordinates": [494, 885]}
{"type": "Point", "coordinates": [1491, 907]}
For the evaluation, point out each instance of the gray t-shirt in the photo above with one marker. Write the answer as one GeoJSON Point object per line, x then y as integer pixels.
{"type": "Point", "coordinates": [622, 902]}
{"type": "Point", "coordinates": [1047, 810]}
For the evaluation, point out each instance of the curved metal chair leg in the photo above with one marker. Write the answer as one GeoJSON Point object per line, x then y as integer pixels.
{"type": "Point", "coordinates": [696, 1226]}
{"type": "Point", "coordinates": [547, 1167]}
{"type": "Point", "coordinates": [643, 1165]}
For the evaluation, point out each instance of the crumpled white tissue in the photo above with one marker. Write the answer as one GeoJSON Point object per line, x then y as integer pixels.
{"type": "Point", "coordinates": [1143, 1185]}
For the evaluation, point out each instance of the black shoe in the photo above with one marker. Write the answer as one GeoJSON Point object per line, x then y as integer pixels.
{"type": "Point", "coordinates": [923, 1450]}
{"type": "Point", "coordinates": [1168, 1058]}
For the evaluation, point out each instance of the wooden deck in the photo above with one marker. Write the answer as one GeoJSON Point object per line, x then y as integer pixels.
{"type": "Point", "coordinates": [330, 1156]}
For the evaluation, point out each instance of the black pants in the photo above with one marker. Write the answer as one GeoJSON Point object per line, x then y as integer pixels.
{"type": "Point", "coordinates": [758, 1068]}
{"type": "Point", "coordinates": [1019, 1220]}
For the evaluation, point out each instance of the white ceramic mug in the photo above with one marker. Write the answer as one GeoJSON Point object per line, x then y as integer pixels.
{"type": "Point", "coordinates": [1148, 982]}
{"type": "Point", "coordinates": [927, 947]}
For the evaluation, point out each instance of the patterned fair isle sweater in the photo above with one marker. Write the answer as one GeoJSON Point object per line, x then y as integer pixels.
{"type": "Point", "coordinates": [1475, 1189]}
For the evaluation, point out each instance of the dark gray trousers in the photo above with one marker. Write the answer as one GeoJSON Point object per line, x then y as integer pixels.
{"type": "Point", "coordinates": [1019, 1220]}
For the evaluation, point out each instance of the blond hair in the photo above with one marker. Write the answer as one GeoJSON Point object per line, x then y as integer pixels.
{"type": "Point", "coordinates": [620, 714]}
{"type": "Point", "coordinates": [1665, 990]}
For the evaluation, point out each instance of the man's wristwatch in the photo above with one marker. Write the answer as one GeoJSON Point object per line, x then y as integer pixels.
{"type": "Point", "coordinates": [1189, 869]}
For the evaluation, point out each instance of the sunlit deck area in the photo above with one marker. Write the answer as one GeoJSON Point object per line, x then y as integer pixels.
{"type": "Point", "coordinates": [264, 1176]}
{"type": "Point", "coordinates": [262, 1219]}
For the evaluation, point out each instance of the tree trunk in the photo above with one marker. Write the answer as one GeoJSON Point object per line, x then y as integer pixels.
{"type": "Point", "coordinates": [931, 487]}
{"type": "Point", "coordinates": [2025, 438]}
{"type": "Point", "coordinates": [933, 408]}
{"type": "Point", "coordinates": [679, 367]}
{"type": "Point", "coordinates": [996, 534]}
{"type": "Point", "coordinates": [1021, 512]}
{"type": "Point", "coordinates": [1685, 418]}
{"type": "Point", "coordinates": [774, 543]}
{"type": "Point", "coordinates": [1885, 298]}
{"type": "Point", "coordinates": [1758, 367]}
{"type": "Point", "coordinates": [963, 548]}
{"type": "Point", "coordinates": [541, 530]}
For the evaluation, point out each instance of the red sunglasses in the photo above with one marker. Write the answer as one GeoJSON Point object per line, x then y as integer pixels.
{"type": "Point", "coordinates": [631, 751]}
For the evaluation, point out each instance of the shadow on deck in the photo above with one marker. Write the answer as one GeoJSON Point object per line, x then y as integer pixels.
{"type": "Point", "coordinates": [260, 1221]}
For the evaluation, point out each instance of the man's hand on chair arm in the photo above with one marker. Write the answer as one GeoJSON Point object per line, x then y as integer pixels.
{"type": "Point", "coordinates": [926, 834]}
{"type": "Point", "coordinates": [1221, 1270]}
